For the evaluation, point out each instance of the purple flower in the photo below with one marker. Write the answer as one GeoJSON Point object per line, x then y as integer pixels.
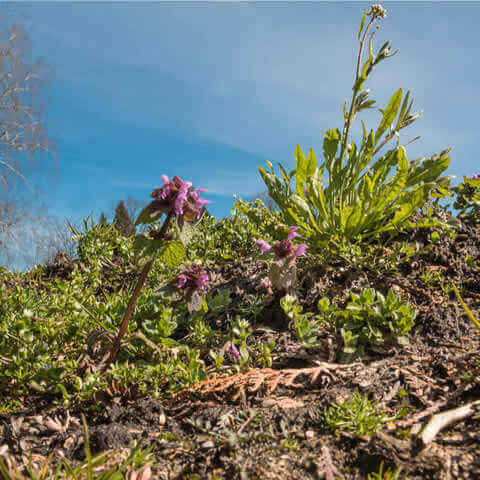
{"type": "Point", "coordinates": [266, 283]}
{"type": "Point", "coordinates": [475, 176]}
{"type": "Point", "coordinates": [292, 233]}
{"type": "Point", "coordinates": [300, 250]}
{"type": "Point", "coordinates": [264, 246]}
{"type": "Point", "coordinates": [284, 248]}
{"type": "Point", "coordinates": [178, 197]}
{"type": "Point", "coordinates": [234, 351]}
{"type": "Point", "coordinates": [181, 197]}
{"type": "Point", "coordinates": [192, 279]}
{"type": "Point", "coordinates": [181, 281]}
{"type": "Point", "coordinates": [202, 282]}
{"type": "Point", "coordinates": [165, 191]}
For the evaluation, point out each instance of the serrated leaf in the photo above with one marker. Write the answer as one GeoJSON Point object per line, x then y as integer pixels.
{"type": "Point", "coordinates": [172, 254]}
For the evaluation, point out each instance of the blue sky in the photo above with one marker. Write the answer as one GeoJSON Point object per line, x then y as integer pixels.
{"type": "Point", "coordinates": [210, 91]}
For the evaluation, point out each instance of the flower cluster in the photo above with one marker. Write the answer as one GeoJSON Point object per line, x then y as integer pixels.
{"type": "Point", "coordinates": [476, 176]}
{"type": "Point", "coordinates": [192, 279]}
{"type": "Point", "coordinates": [377, 11]}
{"type": "Point", "coordinates": [178, 197]}
{"type": "Point", "coordinates": [284, 249]}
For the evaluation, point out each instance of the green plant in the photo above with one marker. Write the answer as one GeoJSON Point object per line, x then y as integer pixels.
{"type": "Point", "coordinates": [282, 274]}
{"type": "Point", "coordinates": [371, 320]}
{"type": "Point", "coordinates": [358, 414]}
{"type": "Point", "coordinates": [241, 331]}
{"type": "Point", "coordinates": [181, 203]}
{"type": "Point", "coordinates": [388, 474]}
{"type": "Point", "coordinates": [467, 199]}
{"type": "Point", "coordinates": [339, 203]}
{"type": "Point", "coordinates": [306, 325]}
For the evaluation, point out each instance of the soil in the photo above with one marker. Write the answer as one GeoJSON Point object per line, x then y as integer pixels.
{"type": "Point", "coordinates": [267, 423]}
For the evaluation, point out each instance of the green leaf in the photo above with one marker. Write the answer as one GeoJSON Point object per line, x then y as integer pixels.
{"type": "Point", "coordinates": [146, 247]}
{"type": "Point", "coordinates": [173, 254]}
{"type": "Point", "coordinates": [330, 146]}
{"type": "Point", "coordinates": [311, 163]}
{"type": "Point", "coordinates": [186, 231]}
{"type": "Point", "coordinates": [301, 171]}
{"type": "Point", "coordinates": [389, 114]}
{"type": "Point", "coordinates": [362, 23]}
{"type": "Point", "coordinates": [148, 215]}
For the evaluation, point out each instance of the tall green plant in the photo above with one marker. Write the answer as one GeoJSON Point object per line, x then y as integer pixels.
{"type": "Point", "coordinates": [346, 198]}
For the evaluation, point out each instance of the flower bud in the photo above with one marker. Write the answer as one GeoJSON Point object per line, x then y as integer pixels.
{"type": "Point", "coordinates": [377, 11]}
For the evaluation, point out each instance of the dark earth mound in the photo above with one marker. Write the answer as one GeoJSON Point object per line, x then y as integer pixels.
{"type": "Point", "coordinates": [269, 423]}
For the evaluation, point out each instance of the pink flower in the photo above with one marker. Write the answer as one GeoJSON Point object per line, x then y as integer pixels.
{"type": "Point", "coordinates": [202, 282]}
{"type": "Point", "coordinates": [475, 176]}
{"type": "Point", "coordinates": [178, 197]}
{"type": "Point", "coordinates": [181, 197]}
{"type": "Point", "coordinates": [284, 248]}
{"type": "Point", "coordinates": [300, 250]}
{"type": "Point", "coordinates": [181, 280]}
{"type": "Point", "coordinates": [292, 233]}
{"type": "Point", "coordinates": [266, 283]}
{"type": "Point", "coordinates": [264, 246]}
{"type": "Point", "coordinates": [166, 187]}
{"type": "Point", "coordinates": [234, 351]}
{"type": "Point", "coordinates": [192, 279]}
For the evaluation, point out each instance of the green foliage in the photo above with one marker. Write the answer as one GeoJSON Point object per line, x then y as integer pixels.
{"type": "Point", "coordinates": [467, 198]}
{"type": "Point", "coordinates": [339, 202]}
{"type": "Point", "coordinates": [387, 474]}
{"type": "Point", "coordinates": [232, 237]}
{"type": "Point", "coordinates": [99, 244]}
{"type": "Point", "coordinates": [306, 325]}
{"type": "Point", "coordinates": [372, 320]}
{"type": "Point", "coordinates": [358, 414]}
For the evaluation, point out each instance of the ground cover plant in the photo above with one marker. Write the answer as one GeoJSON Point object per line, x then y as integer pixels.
{"type": "Point", "coordinates": [335, 336]}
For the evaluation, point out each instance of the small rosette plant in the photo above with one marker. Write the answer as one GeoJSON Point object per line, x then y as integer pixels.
{"type": "Point", "coordinates": [282, 274]}
{"type": "Point", "coordinates": [349, 197]}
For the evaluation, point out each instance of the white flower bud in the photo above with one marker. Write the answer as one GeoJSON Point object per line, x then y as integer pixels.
{"type": "Point", "coordinates": [377, 11]}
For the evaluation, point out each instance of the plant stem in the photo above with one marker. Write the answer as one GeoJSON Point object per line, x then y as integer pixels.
{"type": "Point", "coordinates": [133, 301]}
{"type": "Point", "coordinates": [349, 121]}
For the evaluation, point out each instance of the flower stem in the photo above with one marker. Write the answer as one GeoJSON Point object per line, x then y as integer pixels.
{"type": "Point", "coordinates": [133, 301]}
{"type": "Point", "coordinates": [349, 121]}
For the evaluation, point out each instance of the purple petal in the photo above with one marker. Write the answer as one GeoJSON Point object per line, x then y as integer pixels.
{"type": "Point", "coordinates": [181, 280]}
{"type": "Point", "coordinates": [300, 250]}
{"type": "Point", "coordinates": [234, 351]}
{"type": "Point", "coordinates": [266, 283]}
{"type": "Point", "coordinates": [202, 282]}
{"type": "Point", "coordinates": [181, 197]}
{"type": "Point", "coordinates": [264, 246]}
{"type": "Point", "coordinates": [292, 233]}
{"type": "Point", "coordinates": [165, 190]}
